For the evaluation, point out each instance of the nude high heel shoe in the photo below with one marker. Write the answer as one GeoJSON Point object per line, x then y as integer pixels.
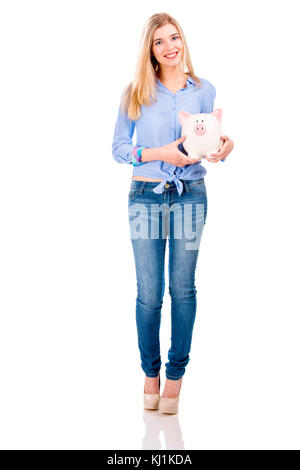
{"type": "Point", "coordinates": [169, 405]}
{"type": "Point", "coordinates": [151, 400]}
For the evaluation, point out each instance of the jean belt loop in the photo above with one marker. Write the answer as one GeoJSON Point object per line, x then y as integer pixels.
{"type": "Point", "coordinates": [142, 187]}
{"type": "Point", "coordinates": [186, 186]}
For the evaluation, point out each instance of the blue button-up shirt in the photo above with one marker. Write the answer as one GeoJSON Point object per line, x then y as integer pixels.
{"type": "Point", "coordinates": [159, 125]}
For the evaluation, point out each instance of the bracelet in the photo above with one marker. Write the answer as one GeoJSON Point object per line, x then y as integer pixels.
{"type": "Point", "coordinates": [137, 155]}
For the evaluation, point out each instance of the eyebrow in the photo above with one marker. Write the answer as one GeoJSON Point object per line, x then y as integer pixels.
{"type": "Point", "coordinates": [159, 39]}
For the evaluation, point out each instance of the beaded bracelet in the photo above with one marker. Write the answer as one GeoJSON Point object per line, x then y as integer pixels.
{"type": "Point", "coordinates": [137, 155]}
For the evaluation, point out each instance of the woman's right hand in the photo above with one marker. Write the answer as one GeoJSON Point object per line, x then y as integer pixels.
{"type": "Point", "coordinates": [170, 153]}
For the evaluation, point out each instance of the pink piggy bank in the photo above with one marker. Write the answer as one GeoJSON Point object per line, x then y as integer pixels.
{"type": "Point", "coordinates": [203, 132]}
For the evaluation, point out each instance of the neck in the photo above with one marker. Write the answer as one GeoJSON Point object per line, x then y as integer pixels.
{"type": "Point", "coordinates": [171, 74]}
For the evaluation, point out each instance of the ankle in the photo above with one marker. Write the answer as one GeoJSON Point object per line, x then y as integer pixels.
{"type": "Point", "coordinates": [172, 388]}
{"type": "Point", "coordinates": [151, 384]}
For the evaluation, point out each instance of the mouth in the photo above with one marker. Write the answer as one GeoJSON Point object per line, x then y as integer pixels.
{"type": "Point", "coordinates": [171, 56]}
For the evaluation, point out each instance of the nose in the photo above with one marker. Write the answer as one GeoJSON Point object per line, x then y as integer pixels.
{"type": "Point", "coordinates": [170, 47]}
{"type": "Point", "coordinates": [199, 129]}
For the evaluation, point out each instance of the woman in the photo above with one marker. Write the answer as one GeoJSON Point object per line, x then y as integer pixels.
{"type": "Point", "coordinates": [165, 182]}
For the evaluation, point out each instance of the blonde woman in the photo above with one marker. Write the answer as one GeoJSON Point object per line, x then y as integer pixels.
{"type": "Point", "coordinates": [167, 197]}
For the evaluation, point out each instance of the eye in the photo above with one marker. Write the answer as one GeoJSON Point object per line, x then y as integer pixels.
{"type": "Point", "coordinates": [202, 120]}
{"type": "Point", "coordinates": [159, 42]}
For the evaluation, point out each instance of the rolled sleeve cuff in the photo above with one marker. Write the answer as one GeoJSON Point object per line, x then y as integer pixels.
{"type": "Point", "coordinates": [137, 155]}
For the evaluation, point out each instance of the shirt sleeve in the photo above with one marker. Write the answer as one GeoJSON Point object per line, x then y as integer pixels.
{"type": "Point", "coordinates": [208, 104]}
{"type": "Point", "coordinates": [123, 149]}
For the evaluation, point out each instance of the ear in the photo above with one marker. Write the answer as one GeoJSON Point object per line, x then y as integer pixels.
{"type": "Point", "coordinates": [183, 115]}
{"type": "Point", "coordinates": [218, 113]}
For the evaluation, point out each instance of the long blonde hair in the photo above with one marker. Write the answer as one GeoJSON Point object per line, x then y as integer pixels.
{"type": "Point", "coordinates": [142, 88]}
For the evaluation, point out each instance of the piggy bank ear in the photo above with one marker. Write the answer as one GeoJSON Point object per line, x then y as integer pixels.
{"type": "Point", "coordinates": [183, 115]}
{"type": "Point", "coordinates": [218, 113]}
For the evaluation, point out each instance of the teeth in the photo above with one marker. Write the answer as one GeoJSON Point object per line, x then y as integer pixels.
{"type": "Point", "coordinates": [171, 55]}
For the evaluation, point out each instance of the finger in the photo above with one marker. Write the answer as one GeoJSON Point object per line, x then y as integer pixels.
{"type": "Point", "coordinates": [181, 139]}
{"type": "Point", "coordinates": [194, 160]}
{"type": "Point", "coordinates": [214, 157]}
{"type": "Point", "coordinates": [223, 153]}
{"type": "Point", "coordinates": [181, 164]}
{"type": "Point", "coordinates": [187, 159]}
{"type": "Point", "coordinates": [181, 154]}
{"type": "Point", "coordinates": [217, 159]}
{"type": "Point", "coordinates": [191, 161]}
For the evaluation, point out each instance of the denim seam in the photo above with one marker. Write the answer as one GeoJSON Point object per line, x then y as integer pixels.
{"type": "Point", "coordinates": [142, 188]}
{"type": "Point", "coordinates": [172, 376]}
{"type": "Point", "coordinates": [200, 183]}
{"type": "Point", "coordinates": [162, 269]}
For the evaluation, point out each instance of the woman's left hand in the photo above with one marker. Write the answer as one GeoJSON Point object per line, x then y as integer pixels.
{"type": "Point", "coordinates": [225, 150]}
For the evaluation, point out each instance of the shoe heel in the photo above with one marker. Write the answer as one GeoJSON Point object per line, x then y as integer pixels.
{"type": "Point", "coordinates": [151, 400]}
{"type": "Point", "coordinates": [169, 405]}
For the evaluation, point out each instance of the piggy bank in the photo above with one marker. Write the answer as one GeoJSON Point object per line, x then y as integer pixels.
{"type": "Point", "coordinates": [203, 132]}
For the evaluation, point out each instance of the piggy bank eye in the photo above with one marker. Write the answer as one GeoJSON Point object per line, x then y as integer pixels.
{"type": "Point", "coordinates": [196, 121]}
{"type": "Point", "coordinates": [202, 120]}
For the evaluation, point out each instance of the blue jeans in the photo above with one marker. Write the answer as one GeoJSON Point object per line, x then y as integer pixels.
{"type": "Point", "coordinates": [152, 219]}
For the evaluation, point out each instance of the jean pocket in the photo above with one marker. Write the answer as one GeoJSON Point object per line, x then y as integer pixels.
{"type": "Point", "coordinates": [132, 194]}
{"type": "Point", "coordinates": [198, 188]}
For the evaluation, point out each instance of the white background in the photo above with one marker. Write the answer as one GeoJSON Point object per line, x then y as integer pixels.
{"type": "Point", "coordinates": [69, 361]}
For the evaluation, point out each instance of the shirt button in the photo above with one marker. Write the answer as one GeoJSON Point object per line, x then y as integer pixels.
{"type": "Point", "coordinates": [173, 108]}
{"type": "Point", "coordinates": [167, 185]}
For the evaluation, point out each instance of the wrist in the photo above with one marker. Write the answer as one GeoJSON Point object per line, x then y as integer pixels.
{"type": "Point", "coordinates": [160, 153]}
{"type": "Point", "coordinates": [151, 154]}
{"type": "Point", "coordinates": [157, 153]}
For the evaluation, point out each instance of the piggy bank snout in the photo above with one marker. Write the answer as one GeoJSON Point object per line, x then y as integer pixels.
{"type": "Point", "coordinates": [199, 129]}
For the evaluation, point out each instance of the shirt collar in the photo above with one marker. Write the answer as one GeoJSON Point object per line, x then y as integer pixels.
{"type": "Point", "coordinates": [189, 80]}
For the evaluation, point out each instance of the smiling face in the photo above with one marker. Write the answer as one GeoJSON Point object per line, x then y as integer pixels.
{"type": "Point", "coordinates": [166, 42]}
